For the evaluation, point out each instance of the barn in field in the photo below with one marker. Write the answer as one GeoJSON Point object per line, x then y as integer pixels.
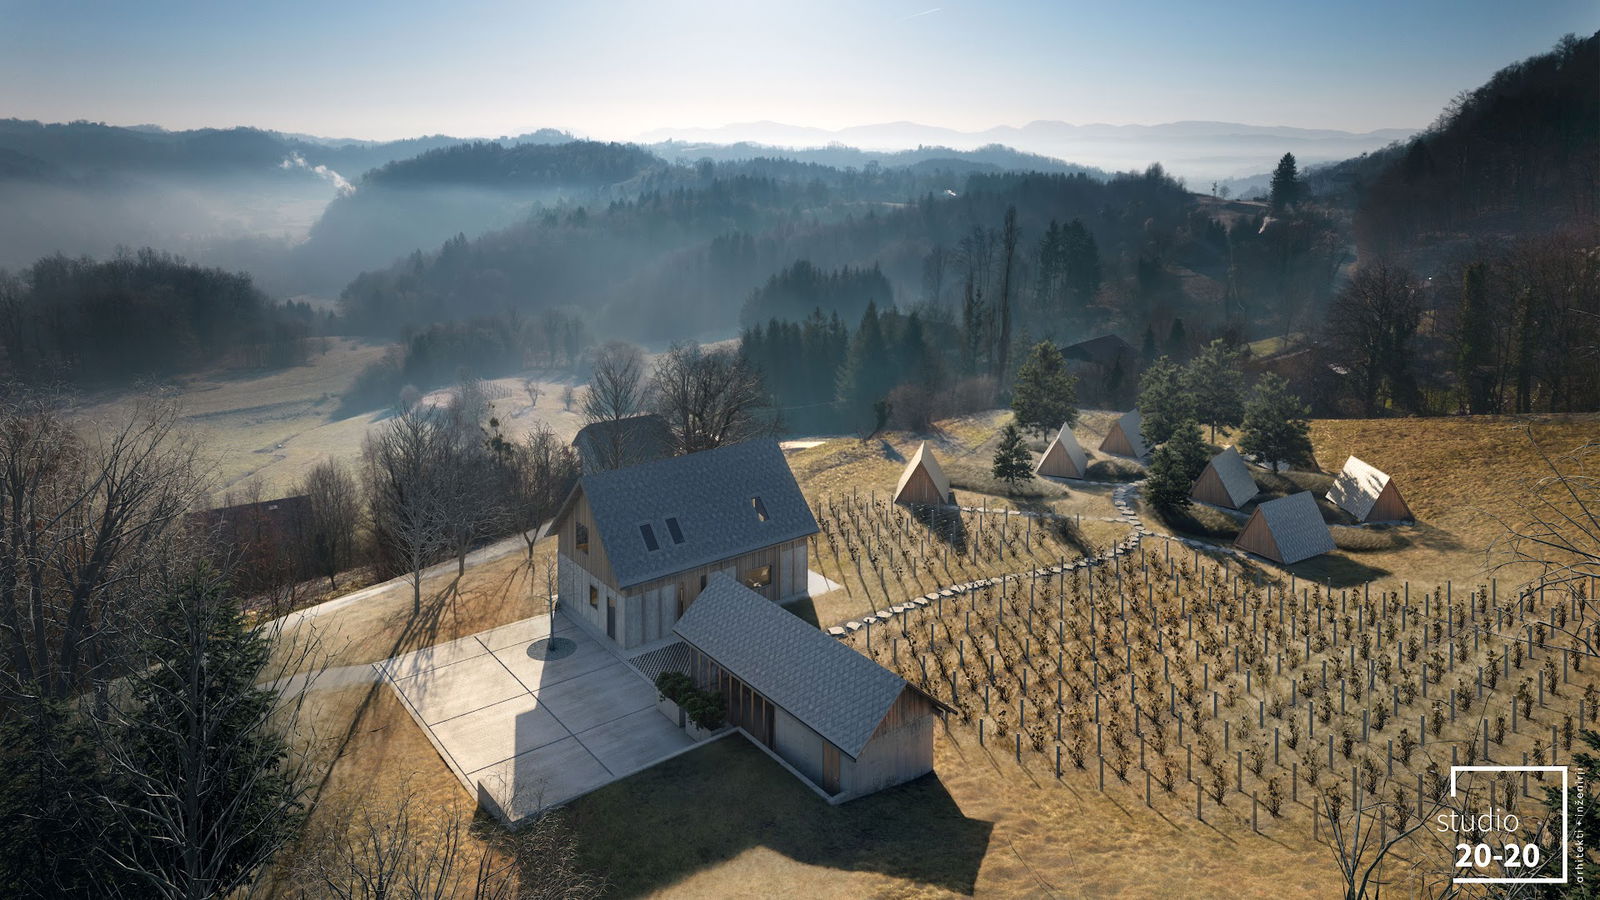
{"type": "Point", "coordinates": [1124, 438]}
{"type": "Point", "coordinates": [1368, 494]}
{"type": "Point", "coordinates": [621, 443]}
{"type": "Point", "coordinates": [923, 483]}
{"type": "Point", "coordinates": [1226, 481]}
{"type": "Point", "coordinates": [637, 545]}
{"type": "Point", "coordinates": [1286, 530]}
{"type": "Point", "coordinates": [844, 723]}
{"type": "Point", "coordinates": [1064, 458]}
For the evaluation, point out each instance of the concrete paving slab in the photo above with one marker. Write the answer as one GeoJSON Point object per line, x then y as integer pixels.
{"type": "Point", "coordinates": [635, 741]}
{"type": "Point", "coordinates": [498, 732]}
{"type": "Point", "coordinates": [537, 674]}
{"type": "Point", "coordinates": [450, 691]}
{"type": "Point", "coordinates": [546, 776]}
{"type": "Point", "coordinates": [598, 697]}
{"type": "Point", "coordinates": [417, 661]}
{"type": "Point", "coordinates": [524, 632]}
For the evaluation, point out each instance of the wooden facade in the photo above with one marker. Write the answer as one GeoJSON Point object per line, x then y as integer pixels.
{"type": "Point", "coordinates": [645, 612]}
{"type": "Point", "coordinates": [920, 490]}
{"type": "Point", "coordinates": [1058, 463]}
{"type": "Point", "coordinates": [1389, 507]}
{"type": "Point", "coordinates": [1117, 442]}
{"type": "Point", "coordinates": [1257, 538]}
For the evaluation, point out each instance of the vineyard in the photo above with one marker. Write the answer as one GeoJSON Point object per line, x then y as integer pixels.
{"type": "Point", "coordinates": [1209, 688]}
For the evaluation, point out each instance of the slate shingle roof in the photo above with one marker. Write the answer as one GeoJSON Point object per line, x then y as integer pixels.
{"type": "Point", "coordinates": [625, 442]}
{"type": "Point", "coordinates": [834, 690]}
{"type": "Point", "coordinates": [1131, 423]}
{"type": "Point", "coordinates": [1297, 527]}
{"type": "Point", "coordinates": [1357, 488]}
{"type": "Point", "coordinates": [710, 494]}
{"type": "Point", "coordinates": [1235, 476]}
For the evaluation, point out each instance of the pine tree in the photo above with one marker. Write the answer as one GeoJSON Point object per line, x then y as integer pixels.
{"type": "Point", "coordinates": [1147, 351]}
{"type": "Point", "coordinates": [1215, 385]}
{"type": "Point", "coordinates": [1012, 461]}
{"type": "Point", "coordinates": [868, 371]}
{"type": "Point", "coordinates": [1163, 403]}
{"type": "Point", "coordinates": [1174, 466]}
{"type": "Point", "coordinates": [1177, 341]}
{"type": "Point", "coordinates": [1045, 395]}
{"type": "Point", "coordinates": [1286, 186]}
{"type": "Point", "coordinates": [1276, 423]}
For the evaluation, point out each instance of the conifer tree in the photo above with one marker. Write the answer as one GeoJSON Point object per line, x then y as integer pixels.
{"type": "Point", "coordinates": [868, 371]}
{"type": "Point", "coordinates": [1012, 461]}
{"type": "Point", "coordinates": [1174, 466]}
{"type": "Point", "coordinates": [1045, 395]}
{"type": "Point", "coordinates": [1215, 385]}
{"type": "Point", "coordinates": [1162, 401]}
{"type": "Point", "coordinates": [1277, 426]}
{"type": "Point", "coordinates": [1286, 186]}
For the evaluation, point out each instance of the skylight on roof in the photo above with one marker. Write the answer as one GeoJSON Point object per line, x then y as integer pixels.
{"type": "Point", "coordinates": [674, 530]}
{"type": "Point", "coordinates": [761, 508]}
{"type": "Point", "coordinates": [649, 535]}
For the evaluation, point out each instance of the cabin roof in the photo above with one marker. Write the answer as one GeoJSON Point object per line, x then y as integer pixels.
{"type": "Point", "coordinates": [832, 689]}
{"type": "Point", "coordinates": [1069, 444]}
{"type": "Point", "coordinates": [633, 440]}
{"type": "Point", "coordinates": [723, 503]}
{"type": "Point", "coordinates": [1357, 488]}
{"type": "Point", "coordinates": [924, 458]}
{"type": "Point", "coordinates": [1296, 526]}
{"type": "Point", "coordinates": [1131, 423]}
{"type": "Point", "coordinates": [1235, 476]}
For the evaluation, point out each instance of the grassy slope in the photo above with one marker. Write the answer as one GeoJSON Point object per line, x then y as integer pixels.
{"type": "Point", "coordinates": [982, 824]}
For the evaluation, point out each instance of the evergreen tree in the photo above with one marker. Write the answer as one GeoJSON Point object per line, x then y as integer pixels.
{"type": "Point", "coordinates": [1475, 342]}
{"type": "Point", "coordinates": [1147, 350]}
{"type": "Point", "coordinates": [1174, 466]}
{"type": "Point", "coordinates": [1045, 395]}
{"type": "Point", "coordinates": [1276, 423]}
{"type": "Point", "coordinates": [1286, 186]}
{"type": "Point", "coordinates": [1215, 386]}
{"type": "Point", "coordinates": [1163, 403]}
{"type": "Point", "coordinates": [868, 371]}
{"type": "Point", "coordinates": [1012, 461]}
{"type": "Point", "coordinates": [1177, 341]}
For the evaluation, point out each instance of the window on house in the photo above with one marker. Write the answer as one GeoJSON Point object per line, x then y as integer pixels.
{"type": "Point", "coordinates": [674, 530]}
{"type": "Point", "coordinates": [649, 535]}
{"type": "Point", "coordinates": [760, 508]}
{"type": "Point", "coordinates": [582, 537]}
{"type": "Point", "coordinates": [594, 596]}
{"type": "Point", "coordinates": [758, 578]}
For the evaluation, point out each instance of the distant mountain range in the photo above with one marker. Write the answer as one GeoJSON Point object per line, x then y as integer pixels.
{"type": "Point", "coordinates": [1198, 151]}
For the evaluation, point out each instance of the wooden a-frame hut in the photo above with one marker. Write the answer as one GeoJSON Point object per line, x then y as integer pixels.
{"type": "Point", "coordinates": [1124, 438]}
{"type": "Point", "coordinates": [1064, 458]}
{"type": "Point", "coordinates": [1368, 494]}
{"type": "Point", "coordinates": [1225, 481]}
{"type": "Point", "coordinates": [923, 483]}
{"type": "Point", "coordinates": [1286, 530]}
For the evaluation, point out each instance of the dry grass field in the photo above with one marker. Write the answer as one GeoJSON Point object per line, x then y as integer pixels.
{"type": "Point", "coordinates": [271, 427]}
{"type": "Point", "coordinates": [986, 823]}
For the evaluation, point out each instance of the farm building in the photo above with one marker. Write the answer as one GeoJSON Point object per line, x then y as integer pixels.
{"type": "Point", "coordinates": [1225, 481]}
{"type": "Point", "coordinates": [843, 722]}
{"type": "Point", "coordinates": [1124, 438]}
{"type": "Point", "coordinates": [923, 483]}
{"type": "Point", "coordinates": [1368, 494]}
{"type": "Point", "coordinates": [622, 443]}
{"type": "Point", "coordinates": [638, 545]}
{"type": "Point", "coordinates": [1064, 458]}
{"type": "Point", "coordinates": [1286, 530]}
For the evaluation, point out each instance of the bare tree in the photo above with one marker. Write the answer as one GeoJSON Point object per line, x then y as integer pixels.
{"type": "Point", "coordinates": [405, 469]}
{"type": "Point", "coordinates": [536, 473]}
{"type": "Point", "coordinates": [1371, 324]}
{"type": "Point", "coordinates": [335, 514]}
{"type": "Point", "coordinates": [618, 390]}
{"type": "Point", "coordinates": [473, 505]}
{"type": "Point", "coordinates": [83, 523]}
{"type": "Point", "coordinates": [709, 398]}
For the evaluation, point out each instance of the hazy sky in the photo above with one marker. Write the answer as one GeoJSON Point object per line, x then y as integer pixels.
{"type": "Point", "coordinates": [613, 70]}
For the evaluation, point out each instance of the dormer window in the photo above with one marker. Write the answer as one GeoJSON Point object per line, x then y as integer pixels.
{"type": "Point", "coordinates": [581, 537]}
{"type": "Point", "coordinates": [760, 508]}
{"type": "Point", "coordinates": [649, 535]}
{"type": "Point", "coordinates": [674, 530]}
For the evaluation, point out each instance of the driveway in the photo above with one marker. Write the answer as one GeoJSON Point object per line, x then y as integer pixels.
{"type": "Point", "coordinates": [524, 733]}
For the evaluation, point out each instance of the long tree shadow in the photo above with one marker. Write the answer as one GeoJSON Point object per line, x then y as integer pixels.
{"type": "Point", "coordinates": [710, 806]}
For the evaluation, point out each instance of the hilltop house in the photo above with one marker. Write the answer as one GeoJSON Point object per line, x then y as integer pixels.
{"type": "Point", "coordinates": [841, 721]}
{"type": "Point", "coordinates": [638, 544]}
{"type": "Point", "coordinates": [620, 443]}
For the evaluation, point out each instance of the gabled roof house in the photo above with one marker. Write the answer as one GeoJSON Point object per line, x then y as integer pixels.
{"type": "Point", "coordinates": [1368, 494]}
{"type": "Point", "coordinates": [846, 724]}
{"type": "Point", "coordinates": [638, 544]}
{"type": "Point", "coordinates": [1286, 530]}
{"type": "Point", "coordinates": [923, 483]}
{"type": "Point", "coordinates": [1225, 481]}
{"type": "Point", "coordinates": [1124, 438]}
{"type": "Point", "coordinates": [1064, 457]}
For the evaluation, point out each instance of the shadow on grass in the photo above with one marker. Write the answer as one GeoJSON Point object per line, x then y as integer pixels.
{"type": "Point", "coordinates": [944, 525]}
{"type": "Point", "coordinates": [805, 608]}
{"type": "Point", "coordinates": [710, 806]}
{"type": "Point", "coordinates": [1336, 571]}
{"type": "Point", "coordinates": [1064, 528]}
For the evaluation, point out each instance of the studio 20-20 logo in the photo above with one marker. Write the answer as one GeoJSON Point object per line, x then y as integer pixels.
{"type": "Point", "coordinates": [1499, 852]}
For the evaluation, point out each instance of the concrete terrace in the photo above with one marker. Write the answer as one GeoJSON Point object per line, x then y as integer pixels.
{"type": "Point", "coordinates": [523, 733]}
